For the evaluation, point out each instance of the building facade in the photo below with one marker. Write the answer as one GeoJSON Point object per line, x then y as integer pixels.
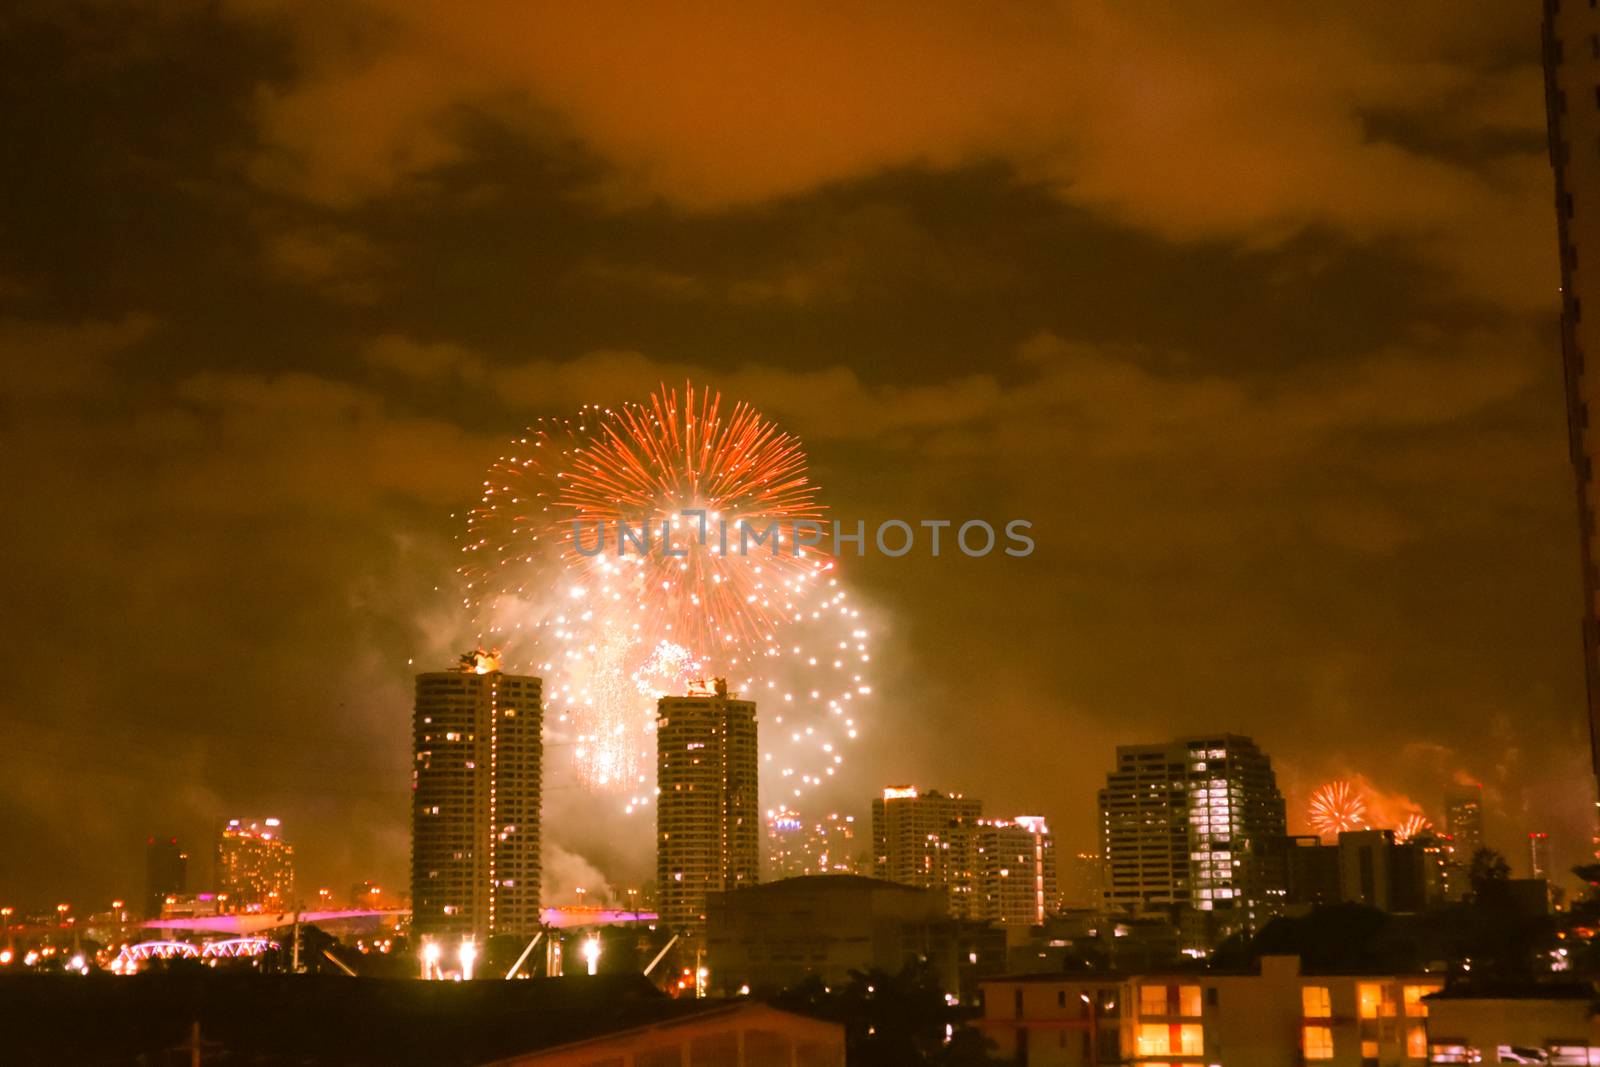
{"type": "Point", "coordinates": [798, 846]}
{"type": "Point", "coordinates": [255, 867]}
{"type": "Point", "coordinates": [1190, 828]}
{"type": "Point", "coordinates": [1014, 871]}
{"type": "Point", "coordinates": [708, 816]}
{"type": "Point", "coordinates": [1463, 820]}
{"type": "Point", "coordinates": [475, 793]}
{"type": "Point", "coordinates": [923, 838]}
{"type": "Point", "coordinates": [776, 935]}
{"type": "Point", "coordinates": [166, 873]}
{"type": "Point", "coordinates": [1572, 71]}
{"type": "Point", "coordinates": [1277, 1017]}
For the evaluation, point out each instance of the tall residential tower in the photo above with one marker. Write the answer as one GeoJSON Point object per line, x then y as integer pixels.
{"type": "Point", "coordinates": [925, 838]}
{"type": "Point", "coordinates": [708, 816]}
{"type": "Point", "coordinates": [475, 784]}
{"type": "Point", "coordinates": [1189, 828]}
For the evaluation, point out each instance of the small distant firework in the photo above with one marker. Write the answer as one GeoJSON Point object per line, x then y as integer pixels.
{"type": "Point", "coordinates": [610, 632]}
{"type": "Point", "coordinates": [1412, 826]}
{"type": "Point", "coordinates": [1337, 807]}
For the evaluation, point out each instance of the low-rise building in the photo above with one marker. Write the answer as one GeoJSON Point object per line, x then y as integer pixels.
{"type": "Point", "coordinates": [1275, 1017]}
{"type": "Point", "coordinates": [776, 935]}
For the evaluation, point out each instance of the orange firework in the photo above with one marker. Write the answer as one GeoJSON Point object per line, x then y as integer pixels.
{"type": "Point", "coordinates": [611, 632]}
{"type": "Point", "coordinates": [712, 484]}
{"type": "Point", "coordinates": [1337, 807]}
{"type": "Point", "coordinates": [1411, 827]}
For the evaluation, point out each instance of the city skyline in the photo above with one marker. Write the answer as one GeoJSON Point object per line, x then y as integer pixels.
{"type": "Point", "coordinates": [1282, 396]}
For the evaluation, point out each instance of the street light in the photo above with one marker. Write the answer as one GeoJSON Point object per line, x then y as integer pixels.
{"type": "Point", "coordinates": [591, 953]}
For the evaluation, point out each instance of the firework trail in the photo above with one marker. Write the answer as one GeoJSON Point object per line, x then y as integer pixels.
{"type": "Point", "coordinates": [610, 632]}
{"type": "Point", "coordinates": [1335, 808]}
{"type": "Point", "coordinates": [1412, 826]}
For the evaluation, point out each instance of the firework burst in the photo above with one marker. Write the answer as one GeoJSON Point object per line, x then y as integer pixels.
{"type": "Point", "coordinates": [1335, 808]}
{"type": "Point", "coordinates": [611, 631]}
{"type": "Point", "coordinates": [1411, 827]}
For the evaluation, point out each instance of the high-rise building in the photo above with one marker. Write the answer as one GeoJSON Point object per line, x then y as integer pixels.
{"type": "Point", "coordinates": [1193, 825]}
{"type": "Point", "coordinates": [797, 846]}
{"type": "Point", "coordinates": [255, 867]}
{"type": "Point", "coordinates": [922, 838]}
{"type": "Point", "coordinates": [708, 816]}
{"type": "Point", "coordinates": [1572, 71]}
{"type": "Point", "coordinates": [1014, 871]}
{"type": "Point", "coordinates": [475, 786]}
{"type": "Point", "coordinates": [1463, 820]}
{"type": "Point", "coordinates": [166, 873]}
{"type": "Point", "coordinates": [1539, 855]}
{"type": "Point", "coordinates": [1082, 880]}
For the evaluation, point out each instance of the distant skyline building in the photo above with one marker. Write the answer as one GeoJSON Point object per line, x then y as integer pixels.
{"type": "Point", "coordinates": [1192, 826]}
{"type": "Point", "coordinates": [922, 838]}
{"type": "Point", "coordinates": [166, 873]}
{"type": "Point", "coordinates": [1014, 871]}
{"type": "Point", "coordinates": [1082, 880]}
{"type": "Point", "coordinates": [798, 846]}
{"type": "Point", "coordinates": [1572, 71]}
{"type": "Point", "coordinates": [708, 815]}
{"type": "Point", "coordinates": [255, 867]}
{"type": "Point", "coordinates": [1463, 819]}
{"type": "Point", "coordinates": [475, 791]}
{"type": "Point", "coordinates": [1539, 855]}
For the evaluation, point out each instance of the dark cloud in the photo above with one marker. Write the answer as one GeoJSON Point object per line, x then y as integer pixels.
{"type": "Point", "coordinates": [1247, 311]}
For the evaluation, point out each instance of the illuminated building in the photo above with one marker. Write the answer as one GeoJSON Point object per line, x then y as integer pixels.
{"type": "Point", "coordinates": [1572, 72]}
{"type": "Point", "coordinates": [475, 802]}
{"type": "Point", "coordinates": [1538, 855]}
{"type": "Point", "coordinates": [796, 846]}
{"type": "Point", "coordinates": [921, 838]}
{"type": "Point", "coordinates": [166, 873]}
{"type": "Point", "coordinates": [1278, 1015]}
{"type": "Point", "coordinates": [255, 867]}
{"type": "Point", "coordinates": [1463, 819]}
{"type": "Point", "coordinates": [1014, 871]}
{"type": "Point", "coordinates": [1190, 827]}
{"type": "Point", "coordinates": [708, 819]}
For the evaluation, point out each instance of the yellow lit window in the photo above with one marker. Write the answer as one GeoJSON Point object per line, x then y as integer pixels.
{"type": "Point", "coordinates": [1368, 995]}
{"type": "Point", "coordinates": [1155, 1039]}
{"type": "Point", "coordinates": [1369, 1050]}
{"type": "Point", "coordinates": [1414, 1002]}
{"type": "Point", "coordinates": [1189, 1001]}
{"type": "Point", "coordinates": [1315, 1002]}
{"type": "Point", "coordinates": [1318, 1042]}
{"type": "Point", "coordinates": [1388, 1007]}
{"type": "Point", "coordinates": [1153, 1000]}
{"type": "Point", "coordinates": [1191, 1039]}
{"type": "Point", "coordinates": [1416, 1041]}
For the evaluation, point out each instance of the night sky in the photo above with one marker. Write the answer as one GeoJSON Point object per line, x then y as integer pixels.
{"type": "Point", "coordinates": [1249, 308]}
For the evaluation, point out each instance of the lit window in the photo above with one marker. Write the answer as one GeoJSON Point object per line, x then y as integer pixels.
{"type": "Point", "coordinates": [1318, 1042]}
{"type": "Point", "coordinates": [1191, 1039]}
{"type": "Point", "coordinates": [1189, 1001]}
{"type": "Point", "coordinates": [1417, 1041]}
{"type": "Point", "coordinates": [1155, 1039]}
{"type": "Point", "coordinates": [1368, 996]}
{"type": "Point", "coordinates": [1315, 1002]}
{"type": "Point", "coordinates": [1415, 1005]}
{"type": "Point", "coordinates": [1153, 1000]}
